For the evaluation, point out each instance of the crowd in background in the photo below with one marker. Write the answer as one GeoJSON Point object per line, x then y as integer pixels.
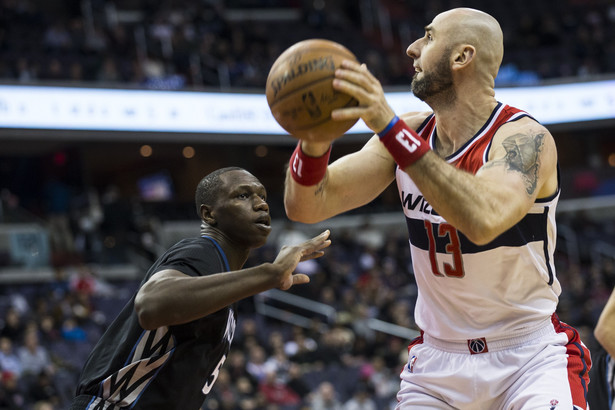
{"type": "Point", "coordinates": [47, 329]}
{"type": "Point", "coordinates": [175, 44]}
{"type": "Point", "coordinates": [339, 362]}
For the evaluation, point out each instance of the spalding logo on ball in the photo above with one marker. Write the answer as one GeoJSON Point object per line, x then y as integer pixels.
{"type": "Point", "coordinates": [300, 90]}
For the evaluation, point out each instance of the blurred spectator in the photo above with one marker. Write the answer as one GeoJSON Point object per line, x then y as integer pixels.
{"type": "Point", "coordinates": [301, 346]}
{"type": "Point", "coordinates": [247, 398]}
{"type": "Point", "coordinates": [72, 332]}
{"type": "Point", "coordinates": [275, 391]}
{"type": "Point", "coordinates": [325, 398]}
{"type": "Point", "coordinates": [383, 381]}
{"type": "Point", "coordinates": [370, 236]}
{"type": "Point", "coordinates": [362, 399]}
{"type": "Point", "coordinates": [334, 346]}
{"type": "Point", "coordinates": [49, 331]}
{"type": "Point", "coordinates": [296, 381]}
{"type": "Point", "coordinates": [34, 357]}
{"type": "Point", "coordinates": [255, 365]}
{"type": "Point", "coordinates": [12, 327]}
{"type": "Point", "coordinates": [43, 389]}
{"type": "Point", "coordinates": [205, 44]}
{"type": "Point", "coordinates": [9, 361]}
{"type": "Point", "coordinates": [278, 364]}
{"type": "Point", "coordinates": [236, 366]}
{"type": "Point", "coordinates": [360, 323]}
{"type": "Point", "coordinates": [11, 396]}
{"type": "Point", "coordinates": [224, 396]}
{"type": "Point", "coordinates": [43, 405]}
{"type": "Point", "coordinates": [56, 36]}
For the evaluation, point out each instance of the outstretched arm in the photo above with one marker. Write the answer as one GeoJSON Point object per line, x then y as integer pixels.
{"type": "Point", "coordinates": [171, 297]}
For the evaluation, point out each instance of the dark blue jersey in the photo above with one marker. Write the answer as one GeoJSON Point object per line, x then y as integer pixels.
{"type": "Point", "coordinates": [167, 368]}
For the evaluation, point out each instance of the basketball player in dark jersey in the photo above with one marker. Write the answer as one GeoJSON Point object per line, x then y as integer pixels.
{"type": "Point", "coordinates": [166, 347]}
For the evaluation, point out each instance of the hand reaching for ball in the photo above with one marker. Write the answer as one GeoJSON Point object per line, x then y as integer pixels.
{"type": "Point", "coordinates": [300, 90]}
{"type": "Point", "coordinates": [356, 80]}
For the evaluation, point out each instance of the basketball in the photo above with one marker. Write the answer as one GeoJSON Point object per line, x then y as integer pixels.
{"type": "Point", "coordinates": [300, 90]}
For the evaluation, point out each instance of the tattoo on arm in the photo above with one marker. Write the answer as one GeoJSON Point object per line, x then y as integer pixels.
{"type": "Point", "coordinates": [522, 155]}
{"type": "Point", "coordinates": [321, 187]}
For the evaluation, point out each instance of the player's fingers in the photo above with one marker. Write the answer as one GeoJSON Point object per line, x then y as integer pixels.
{"type": "Point", "coordinates": [361, 94]}
{"type": "Point", "coordinates": [347, 80]}
{"type": "Point", "coordinates": [358, 74]}
{"type": "Point", "coordinates": [350, 65]}
{"type": "Point", "coordinates": [294, 279]}
{"type": "Point", "coordinates": [313, 255]}
{"type": "Point", "coordinates": [319, 242]}
{"type": "Point", "coordinates": [341, 114]}
{"type": "Point", "coordinates": [300, 279]}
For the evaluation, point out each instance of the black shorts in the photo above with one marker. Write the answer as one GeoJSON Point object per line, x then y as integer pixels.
{"type": "Point", "coordinates": [87, 402]}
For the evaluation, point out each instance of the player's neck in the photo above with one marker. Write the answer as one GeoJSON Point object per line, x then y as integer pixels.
{"type": "Point", "coordinates": [458, 123]}
{"type": "Point", "coordinates": [235, 254]}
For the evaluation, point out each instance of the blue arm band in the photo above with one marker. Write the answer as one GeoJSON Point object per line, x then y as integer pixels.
{"type": "Point", "coordinates": [388, 127]}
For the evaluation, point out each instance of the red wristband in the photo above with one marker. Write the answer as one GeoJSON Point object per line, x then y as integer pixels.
{"type": "Point", "coordinates": [405, 145]}
{"type": "Point", "coordinates": [307, 170]}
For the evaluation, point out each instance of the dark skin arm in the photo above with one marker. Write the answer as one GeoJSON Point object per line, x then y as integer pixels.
{"type": "Point", "coordinates": [171, 297]}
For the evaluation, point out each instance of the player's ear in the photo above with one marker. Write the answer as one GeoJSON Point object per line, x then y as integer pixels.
{"type": "Point", "coordinates": [207, 215]}
{"type": "Point", "coordinates": [463, 55]}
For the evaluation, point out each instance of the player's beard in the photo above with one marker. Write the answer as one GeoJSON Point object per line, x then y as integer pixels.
{"type": "Point", "coordinates": [436, 86]}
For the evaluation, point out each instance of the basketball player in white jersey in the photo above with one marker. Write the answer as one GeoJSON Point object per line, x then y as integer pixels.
{"type": "Point", "coordinates": [478, 183]}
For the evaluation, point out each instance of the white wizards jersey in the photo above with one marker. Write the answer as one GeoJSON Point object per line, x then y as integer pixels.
{"type": "Point", "coordinates": [502, 289]}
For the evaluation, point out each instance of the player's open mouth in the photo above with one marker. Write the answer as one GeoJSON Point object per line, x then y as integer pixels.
{"type": "Point", "coordinates": [417, 69]}
{"type": "Point", "coordinates": [264, 221]}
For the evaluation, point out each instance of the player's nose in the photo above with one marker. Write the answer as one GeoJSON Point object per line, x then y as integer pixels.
{"type": "Point", "coordinates": [261, 204]}
{"type": "Point", "coordinates": [413, 50]}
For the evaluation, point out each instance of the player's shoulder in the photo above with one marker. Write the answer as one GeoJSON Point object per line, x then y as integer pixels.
{"type": "Point", "coordinates": [525, 125]}
{"type": "Point", "coordinates": [192, 245]}
{"type": "Point", "coordinates": [415, 119]}
{"type": "Point", "coordinates": [527, 135]}
{"type": "Point", "coordinates": [192, 242]}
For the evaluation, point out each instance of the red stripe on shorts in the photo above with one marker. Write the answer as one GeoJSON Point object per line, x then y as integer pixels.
{"type": "Point", "coordinates": [416, 341]}
{"type": "Point", "coordinates": [579, 362]}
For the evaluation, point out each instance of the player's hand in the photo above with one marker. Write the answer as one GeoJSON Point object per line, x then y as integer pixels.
{"type": "Point", "coordinates": [290, 256]}
{"type": "Point", "coordinates": [356, 80]}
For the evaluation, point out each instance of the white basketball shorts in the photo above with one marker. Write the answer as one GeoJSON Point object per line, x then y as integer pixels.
{"type": "Point", "coordinates": [545, 369]}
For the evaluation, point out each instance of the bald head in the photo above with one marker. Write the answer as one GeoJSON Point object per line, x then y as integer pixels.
{"type": "Point", "coordinates": [478, 29]}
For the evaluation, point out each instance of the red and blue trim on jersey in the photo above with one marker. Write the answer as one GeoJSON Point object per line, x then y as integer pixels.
{"type": "Point", "coordinates": [474, 153]}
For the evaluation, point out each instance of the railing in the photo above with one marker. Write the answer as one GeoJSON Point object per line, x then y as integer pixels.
{"type": "Point", "coordinates": [291, 314]}
{"type": "Point", "coordinates": [264, 304]}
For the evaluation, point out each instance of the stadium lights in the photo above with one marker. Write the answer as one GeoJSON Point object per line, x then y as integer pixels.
{"type": "Point", "coordinates": [97, 109]}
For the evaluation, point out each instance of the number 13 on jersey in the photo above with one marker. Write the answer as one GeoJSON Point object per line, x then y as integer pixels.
{"type": "Point", "coordinates": [452, 247]}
